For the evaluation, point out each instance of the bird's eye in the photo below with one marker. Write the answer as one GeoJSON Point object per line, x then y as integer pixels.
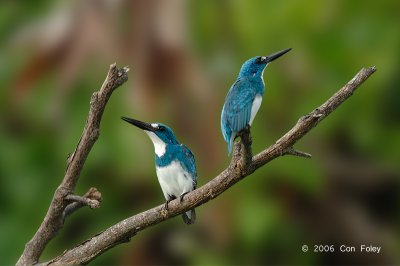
{"type": "Point", "coordinates": [161, 128]}
{"type": "Point", "coordinates": [261, 60]}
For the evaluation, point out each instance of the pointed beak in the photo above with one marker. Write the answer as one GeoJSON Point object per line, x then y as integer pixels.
{"type": "Point", "coordinates": [276, 55]}
{"type": "Point", "coordinates": [139, 124]}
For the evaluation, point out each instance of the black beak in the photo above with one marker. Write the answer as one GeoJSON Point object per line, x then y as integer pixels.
{"type": "Point", "coordinates": [139, 124]}
{"type": "Point", "coordinates": [274, 56]}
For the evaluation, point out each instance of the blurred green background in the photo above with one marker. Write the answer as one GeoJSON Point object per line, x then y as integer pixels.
{"type": "Point", "coordinates": [184, 55]}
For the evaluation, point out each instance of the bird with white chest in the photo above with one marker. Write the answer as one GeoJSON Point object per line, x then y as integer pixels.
{"type": "Point", "coordinates": [244, 97]}
{"type": "Point", "coordinates": [175, 164]}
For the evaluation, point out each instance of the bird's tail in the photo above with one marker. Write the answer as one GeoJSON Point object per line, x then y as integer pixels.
{"type": "Point", "coordinates": [227, 133]}
{"type": "Point", "coordinates": [230, 143]}
{"type": "Point", "coordinates": [189, 217]}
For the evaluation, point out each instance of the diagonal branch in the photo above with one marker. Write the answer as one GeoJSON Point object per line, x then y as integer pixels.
{"type": "Point", "coordinates": [309, 121]}
{"type": "Point", "coordinates": [240, 167]}
{"type": "Point", "coordinates": [53, 220]}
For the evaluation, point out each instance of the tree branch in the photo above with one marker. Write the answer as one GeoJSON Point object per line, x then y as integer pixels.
{"type": "Point", "coordinates": [92, 198]}
{"type": "Point", "coordinates": [242, 165]}
{"type": "Point", "coordinates": [54, 218]}
{"type": "Point", "coordinates": [309, 121]}
{"type": "Point", "coordinates": [292, 151]}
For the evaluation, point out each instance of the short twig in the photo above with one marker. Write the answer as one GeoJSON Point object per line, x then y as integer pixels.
{"type": "Point", "coordinates": [92, 199]}
{"type": "Point", "coordinates": [292, 151]}
{"type": "Point", "coordinates": [82, 200]}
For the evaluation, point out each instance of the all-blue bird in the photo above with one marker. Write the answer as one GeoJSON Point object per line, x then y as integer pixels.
{"type": "Point", "coordinates": [175, 164]}
{"type": "Point", "coordinates": [244, 97]}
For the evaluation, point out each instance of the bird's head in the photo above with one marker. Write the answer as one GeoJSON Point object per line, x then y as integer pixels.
{"type": "Point", "coordinates": [256, 65]}
{"type": "Point", "coordinates": [157, 132]}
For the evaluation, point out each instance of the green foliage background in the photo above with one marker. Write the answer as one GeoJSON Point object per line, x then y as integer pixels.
{"type": "Point", "coordinates": [266, 218]}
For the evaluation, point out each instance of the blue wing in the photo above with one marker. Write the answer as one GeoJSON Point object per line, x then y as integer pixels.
{"type": "Point", "coordinates": [189, 163]}
{"type": "Point", "coordinates": [237, 108]}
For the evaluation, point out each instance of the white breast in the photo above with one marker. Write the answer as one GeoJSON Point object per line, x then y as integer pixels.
{"type": "Point", "coordinates": [254, 108]}
{"type": "Point", "coordinates": [174, 180]}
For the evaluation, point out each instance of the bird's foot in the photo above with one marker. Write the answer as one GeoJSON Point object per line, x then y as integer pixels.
{"type": "Point", "coordinates": [166, 205]}
{"type": "Point", "coordinates": [244, 131]}
{"type": "Point", "coordinates": [170, 198]}
{"type": "Point", "coordinates": [181, 197]}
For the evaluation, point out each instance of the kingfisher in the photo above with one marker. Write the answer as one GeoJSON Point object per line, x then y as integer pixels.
{"type": "Point", "coordinates": [244, 97]}
{"type": "Point", "coordinates": [175, 164]}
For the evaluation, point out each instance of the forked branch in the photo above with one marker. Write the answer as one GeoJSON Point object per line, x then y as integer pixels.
{"type": "Point", "coordinates": [61, 205]}
{"type": "Point", "coordinates": [243, 164]}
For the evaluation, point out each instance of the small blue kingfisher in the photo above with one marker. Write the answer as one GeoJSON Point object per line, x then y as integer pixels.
{"type": "Point", "coordinates": [175, 164]}
{"type": "Point", "coordinates": [244, 97]}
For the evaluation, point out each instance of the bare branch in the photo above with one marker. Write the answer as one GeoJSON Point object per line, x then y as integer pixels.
{"type": "Point", "coordinates": [309, 121]}
{"type": "Point", "coordinates": [84, 201]}
{"type": "Point", "coordinates": [92, 198]}
{"type": "Point", "coordinates": [292, 151]}
{"type": "Point", "coordinates": [54, 218]}
{"type": "Point", "coordinates": [242, 165]}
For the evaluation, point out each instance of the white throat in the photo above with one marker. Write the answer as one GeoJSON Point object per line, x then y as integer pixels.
{"type": "Point", "coordinates": [262, 75]}
{"type": "Point", "coordinates": [159, 145]}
